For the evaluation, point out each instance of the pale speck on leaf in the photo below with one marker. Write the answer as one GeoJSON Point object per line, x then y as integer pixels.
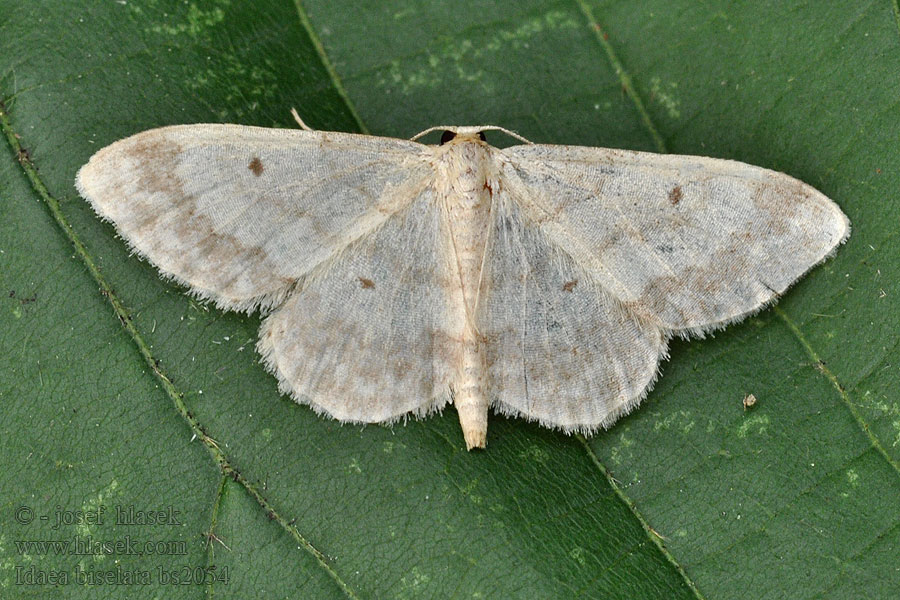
{"type": "Point", "coordinates": [395, 277]}
{"type": "Point", "coordinates": [749, 401]}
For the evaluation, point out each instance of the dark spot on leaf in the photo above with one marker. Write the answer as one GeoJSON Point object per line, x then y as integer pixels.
{"type": "Point", "coordinates": [256, 166]}
{"type": "Point", "coordinates": [675, 195]}
{"type": "Point", "coordinates": [367, 284]}
{"type": "Point", "coordinates": [569, 286]}
{"type": "Point", "coordinates": [33, 298]}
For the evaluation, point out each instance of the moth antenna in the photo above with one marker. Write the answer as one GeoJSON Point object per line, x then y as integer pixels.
{"type": "Point", "coordinates": [300, 121]}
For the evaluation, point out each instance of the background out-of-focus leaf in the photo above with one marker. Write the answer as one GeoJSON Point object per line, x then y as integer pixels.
{"type": "Point", "coordinates": [690, 496]}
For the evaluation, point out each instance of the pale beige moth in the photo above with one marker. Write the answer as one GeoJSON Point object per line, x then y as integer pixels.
{"type": "Point", "coordinates": [541, 281]}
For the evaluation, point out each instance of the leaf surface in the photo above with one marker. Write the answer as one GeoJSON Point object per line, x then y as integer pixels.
{"type": "Point", "coordinates": [108, 372]}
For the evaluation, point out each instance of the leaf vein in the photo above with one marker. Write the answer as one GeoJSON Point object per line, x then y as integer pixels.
{"type": "Point", "coordinates": [125, 319]}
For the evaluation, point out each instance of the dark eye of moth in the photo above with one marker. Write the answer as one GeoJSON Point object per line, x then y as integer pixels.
{"type": "Point", "coordinates": [449, 135]}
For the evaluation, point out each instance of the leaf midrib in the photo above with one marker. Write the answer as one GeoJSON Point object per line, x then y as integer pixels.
{"type": "Point", "coordinates": [626, 81]}
{"type": "Point", "coordinates": [177, 397]}
{"type": "Point", "coordinates": [791, 326]}
{"type": "Point", "coordinates": [31, 172]}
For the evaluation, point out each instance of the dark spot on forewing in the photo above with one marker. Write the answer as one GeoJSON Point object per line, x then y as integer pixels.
{"type": "Point", "coordinates": [256, 166]}
{"type": "Point", "coordinates": [570, 285]}
{"type": "Point", "coordinates": [675, 195]}
{"type": "Point", "coordinates": [366, 284]}
{"type": "Point", "coordinates": [161, 209]}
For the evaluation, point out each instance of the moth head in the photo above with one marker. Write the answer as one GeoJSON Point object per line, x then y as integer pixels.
{"type": "Point", "coordinates": [466, 133]}
{"type": "Point", "coordinates": [462, 134]}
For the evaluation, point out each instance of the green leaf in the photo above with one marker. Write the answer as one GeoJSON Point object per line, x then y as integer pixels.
{"type": "Point", "coordinates": [118, 391]}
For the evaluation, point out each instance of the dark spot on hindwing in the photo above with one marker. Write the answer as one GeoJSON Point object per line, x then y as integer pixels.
{"type": "Point", "coordinates": [570, 285]}
{"type": "Point", "coordinates": [256, 166]}
{"type": "Point", "coordinates": [366, 284]}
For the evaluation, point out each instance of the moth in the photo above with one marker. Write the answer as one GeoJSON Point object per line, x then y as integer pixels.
{"type": "Point", "coordinates": [542, 281]}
